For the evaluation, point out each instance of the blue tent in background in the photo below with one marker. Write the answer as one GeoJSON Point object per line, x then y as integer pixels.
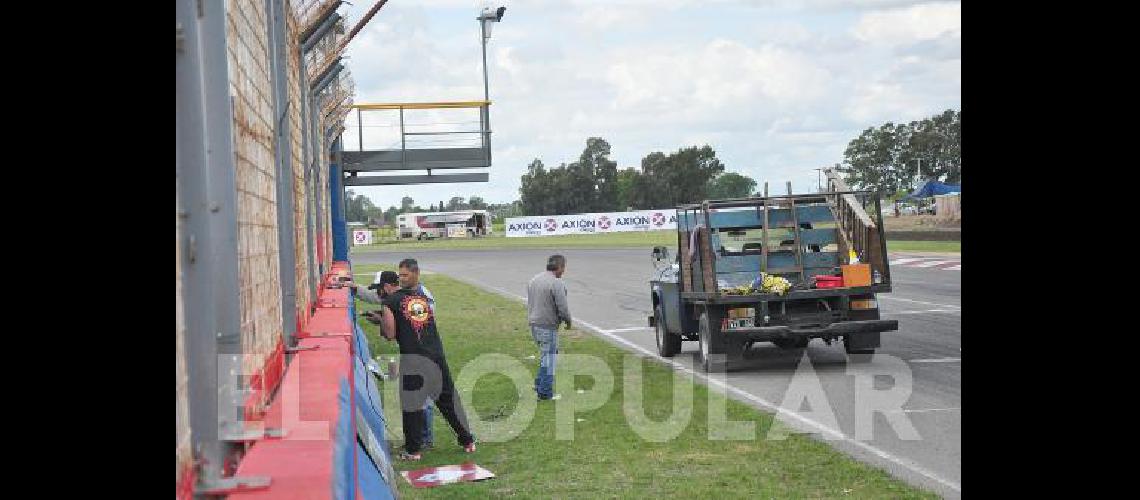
{"type": "Point", "coordinates": [932, 188]}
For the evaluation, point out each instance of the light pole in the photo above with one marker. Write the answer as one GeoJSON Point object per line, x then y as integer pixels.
{"type": "Point", "coordinates": [485, 19]}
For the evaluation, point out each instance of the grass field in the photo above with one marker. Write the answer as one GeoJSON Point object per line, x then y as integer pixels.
{"type": "Point", "coordinates": [607, 240]}
{"type": "Point", "coordinates": [606, 458]}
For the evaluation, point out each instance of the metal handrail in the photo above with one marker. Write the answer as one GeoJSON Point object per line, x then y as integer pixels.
{"type": "Point", "coordinates": [423, 105]}
{"type": "Point", "coordinates": [484, 130]}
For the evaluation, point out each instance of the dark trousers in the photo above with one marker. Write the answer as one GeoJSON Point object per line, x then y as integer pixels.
{"type": "Point", "coordinates": [422, 378]}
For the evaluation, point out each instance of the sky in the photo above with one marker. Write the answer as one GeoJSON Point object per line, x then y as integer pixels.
{"type": "Point", "coordinates": [777, 87]}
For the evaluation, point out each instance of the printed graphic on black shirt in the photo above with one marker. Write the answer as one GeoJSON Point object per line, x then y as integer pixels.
{"type": "Point", "coordinates": [416, 310]}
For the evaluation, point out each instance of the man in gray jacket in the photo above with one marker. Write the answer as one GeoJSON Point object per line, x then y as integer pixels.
{"type": "Point", "coordinates": [547, 307]}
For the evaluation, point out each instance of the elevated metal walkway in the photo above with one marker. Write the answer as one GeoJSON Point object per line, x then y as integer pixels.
{"type": "Point", "coordinates": [431, 146]}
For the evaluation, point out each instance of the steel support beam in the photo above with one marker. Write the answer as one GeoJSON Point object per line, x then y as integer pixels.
{"type": "Point", "coordinates": [415, 165]}
{"type": "Point", "coordinates": [319, 159]}
{"type": "Point", "coordinates": [319, 33]}
{"type": "Point", "coordinates": [286, 251]}
{"type": "Point", "coordinates": [205, 182]}
{"type": "Point", "coordinates": [315, 24]}
{"type": "Point", "coordinates": [416, 159]}
{"type": "Point", "coordinates": [323, 80]}
{"type": "Point", "coordinates": [401, 180]}
{"type": "Point", "coordinates": [307, 148]}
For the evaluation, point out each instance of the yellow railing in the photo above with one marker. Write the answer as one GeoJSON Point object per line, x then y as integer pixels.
{"type": "Point", "coordinates": [423, 105]}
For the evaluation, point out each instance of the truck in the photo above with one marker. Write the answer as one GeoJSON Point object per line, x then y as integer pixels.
{"type": "Point", "coordinates": [457, 224]}
{"type": "Point", "coordinates": [826, 245]}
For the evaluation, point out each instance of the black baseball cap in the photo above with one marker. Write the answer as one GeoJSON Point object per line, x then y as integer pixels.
{"type": "Point", "coordinates": [389, 278]}
{"type": "Point", "coordinates": [384, 278]}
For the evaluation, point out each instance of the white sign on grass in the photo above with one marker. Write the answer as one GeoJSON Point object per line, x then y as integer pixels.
{"type": "Point", "coordinates": [602, 222]}
{"type": "Point", "coordinates": [361, 237]}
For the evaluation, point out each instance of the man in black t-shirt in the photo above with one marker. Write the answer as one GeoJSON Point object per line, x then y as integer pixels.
{"type": "Point", "coordinates": [408, 319]}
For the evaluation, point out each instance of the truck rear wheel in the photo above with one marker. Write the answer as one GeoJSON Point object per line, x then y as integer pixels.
{"type": "Point", "coordinates": [668, 344]}
{"type": "Point", "coordinates": [712, 343]}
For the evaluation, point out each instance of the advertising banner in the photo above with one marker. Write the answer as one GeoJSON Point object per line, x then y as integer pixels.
{"type": "Point", "coordinates": [603, 222]}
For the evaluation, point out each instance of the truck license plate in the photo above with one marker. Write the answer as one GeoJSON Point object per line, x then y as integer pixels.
{"type": "Point", "coordinates": [738, 323]}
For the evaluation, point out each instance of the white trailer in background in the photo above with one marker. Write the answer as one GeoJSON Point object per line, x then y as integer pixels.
{"type": "Point", "coordinates": [458, 224]}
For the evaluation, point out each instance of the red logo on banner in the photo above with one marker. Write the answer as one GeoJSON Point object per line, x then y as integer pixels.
{"type": "Point", "coordinates": [658, 219]}
{"type": "Point", "coordinates": [551, 224]}
{"type": "Point", "coordinates": [603, 222]}
{"type": "Point", "coordinates": [447, 474]}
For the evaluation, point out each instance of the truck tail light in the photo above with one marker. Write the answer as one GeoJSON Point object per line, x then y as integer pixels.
{"type": "Point", "coordinates": [864, 304]}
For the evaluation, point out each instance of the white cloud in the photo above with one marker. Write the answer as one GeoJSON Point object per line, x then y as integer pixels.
{"type": "Point", "coordinates": [776, 100]}
{"type": "Point", "coordinates": [909, 25]}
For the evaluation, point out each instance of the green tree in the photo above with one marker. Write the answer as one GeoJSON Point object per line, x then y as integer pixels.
{"type": "Point", "coordinates": [875, 159]}
{"type": "Point", "coordinates": [730, 185]}
{"type": "Point", "coordinates": [456, 203]}
{"type": "Point", "coordinates": [477, 203]}
{"type": "Point", "coordinates": [406, 204]}
{"type": "Point", "coordinates": [359, 208]}
{"type": "Point", "coordinates": [888, 158]}
{"type": "Point", "coordinates": [680, 177]}
{"type": "Point", "coordinates": [600, 193]}
{"type": "Point", "coordinates": [353, 212]}
{"type": "Point", "coordinates": [593, 183]}
{"type": "Point", "coordinates": [391, 214]}
{"type": "Point", "coordinates": [534, 192]}
{"type": "Point", "coordinates": [625, 186]}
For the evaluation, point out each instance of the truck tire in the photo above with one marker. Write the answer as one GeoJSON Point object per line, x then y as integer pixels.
{"type": "Point", "coordinates": [792, 343]}
{"type": "Point", "coordinates": [668, 344]}
{"type": "Point", "coordinates": [712, 343]}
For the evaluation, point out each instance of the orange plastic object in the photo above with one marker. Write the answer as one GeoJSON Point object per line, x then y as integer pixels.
{"type": "Point", "coordinates": [856, 274]}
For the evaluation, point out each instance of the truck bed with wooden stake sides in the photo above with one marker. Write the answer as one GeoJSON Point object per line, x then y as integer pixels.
{"type": "Point", "coordinates": [781, 269]}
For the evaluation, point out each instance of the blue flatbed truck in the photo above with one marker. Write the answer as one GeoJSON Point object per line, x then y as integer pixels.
{"type": "Point", "coordinates": [724, 244]}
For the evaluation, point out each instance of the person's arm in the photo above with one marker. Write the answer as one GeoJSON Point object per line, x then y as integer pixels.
{"type": "Point", "coordinates": [431, 299]}
{"type": "Point", "coordinates": [367, 295]}
{"type": "Point", "coordinates": [560, 302]}
{"type": "Point", "coordinates": [387, 323]}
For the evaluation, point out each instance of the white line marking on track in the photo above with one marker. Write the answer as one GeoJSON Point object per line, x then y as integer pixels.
{"type": "Point", "coordinates": [904, 261]}
{"type": "Point", "coordinates": [900, 299]}
{"type": "Point", "coordinates": [924, 311]}
{"type": "Point", "coordinates": [937, 360]}
{"type": "Point", "coordinates": [630, 329]}
{"type": "Point", "coordinates": [927, 410]}
{"type": "Point", "coordinates": [933, 263]}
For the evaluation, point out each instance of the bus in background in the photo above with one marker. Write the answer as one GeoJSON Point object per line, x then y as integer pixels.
{"type": "Point", "coordinates": [458, 224]}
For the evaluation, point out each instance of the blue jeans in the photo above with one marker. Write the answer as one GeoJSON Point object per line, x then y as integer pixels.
{"type": "Point", "coordinates": [547, 340]}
